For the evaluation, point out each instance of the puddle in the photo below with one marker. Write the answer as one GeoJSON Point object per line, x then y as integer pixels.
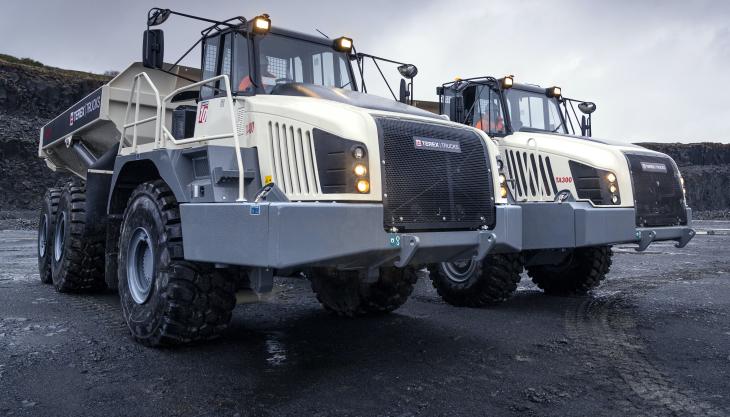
{"type": "Point", "coordinates": [276, 351]}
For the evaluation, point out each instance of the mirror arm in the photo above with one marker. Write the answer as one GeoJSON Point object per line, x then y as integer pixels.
{"type": "Point", "coordinates": [384, 79]}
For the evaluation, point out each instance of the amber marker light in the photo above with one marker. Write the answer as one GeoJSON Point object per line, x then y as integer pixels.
{"type": "Point", "coordinates": [363, 186]}
{"type": "Point", "coordinates": [261, 24]}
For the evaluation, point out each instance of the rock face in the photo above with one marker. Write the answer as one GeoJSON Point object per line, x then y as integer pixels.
{"type": "Point", "coordinates": [31, 95]}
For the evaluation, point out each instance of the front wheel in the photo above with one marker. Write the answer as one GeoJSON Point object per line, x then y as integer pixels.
{"type": "Point", "coordinates": [477, 284]}
{"type": "Point", "coordinates": [345, 294]}
{"type": "Point", "coordinates": [580, 272]}
{"type": "Point", "coordinates": [165, 299]}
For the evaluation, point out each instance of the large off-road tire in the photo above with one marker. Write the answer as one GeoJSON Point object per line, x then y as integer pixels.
{"type": "Point", "coordinates": [582, 270]}
{"type": "Point", "coordinates": [477, 284]}
{"type": "Point", "coordinates": [344, 292]}
{"type": "Point", "coordinates": [46, 225]}
{"type": "Point", "coordinates": [77, 262]}
{"type": "Point", "coordinates": [165, 299]}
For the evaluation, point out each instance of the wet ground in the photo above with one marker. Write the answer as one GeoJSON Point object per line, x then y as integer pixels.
{"type": "Point", "coordinates": [653, 340]}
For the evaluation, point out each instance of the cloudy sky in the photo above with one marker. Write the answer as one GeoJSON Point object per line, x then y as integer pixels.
{"type": "Point", "coordinates": [659, 70]}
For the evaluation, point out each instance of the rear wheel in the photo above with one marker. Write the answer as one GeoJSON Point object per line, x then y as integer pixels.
{"type": "Point", "coordinates": [46, 226]}
{"type": "Point", "coordinates": [165, 299]}
{"type": "Point", "coordinates": [476, 284]}
{"type": "Point", "coordinates": [77, 259]}
{"type": "Point", "coordinates": [582, 270]}
{"type": "Point", "coordinates": [345, 294]}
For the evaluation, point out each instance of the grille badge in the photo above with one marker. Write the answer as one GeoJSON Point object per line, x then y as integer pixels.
{"type": "Point", "coordinates": [432, 144]}
{"type": "Point", "coordinates": [653, 167]}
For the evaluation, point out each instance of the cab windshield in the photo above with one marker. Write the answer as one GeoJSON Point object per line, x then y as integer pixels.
{"type": "Point", "coordinates": [279, 59]}
{"type": "Point", "coordinates": [534, 111]}
{"type": "Point", "coordinates": [283, 59]}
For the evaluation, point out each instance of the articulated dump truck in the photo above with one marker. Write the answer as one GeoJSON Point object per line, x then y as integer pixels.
{"type": "Point", "coordinates": [193, 188]}
{"type": "Point", "coordinates": [578, 195]}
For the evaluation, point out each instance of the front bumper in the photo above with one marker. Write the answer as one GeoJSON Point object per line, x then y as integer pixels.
{"type": "Point", "coordinates": [579, 224]}
{"type": "Point", "coordinates": [344, 235]}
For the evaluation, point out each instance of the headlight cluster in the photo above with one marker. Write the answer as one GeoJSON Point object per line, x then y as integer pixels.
{"type": "Point", "coordinates": [360, 170]}
{"type": "Point", "coordinates": [613, 188]}
{"type": "Point", "coordinates": [503, 186]}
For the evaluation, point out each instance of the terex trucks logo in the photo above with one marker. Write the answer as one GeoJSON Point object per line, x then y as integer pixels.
{"type": "Point", "coordinates": [87, 108]}
{"type": "Point", "coordinates": [654, 167]}
{"type": "Point", "coordinates": [432, 144]}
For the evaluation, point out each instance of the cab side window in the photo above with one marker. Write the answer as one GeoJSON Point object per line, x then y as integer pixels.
{"type": "Point", "coordinates": [217, 60]}
{"type": "Point", "coordinates": [488, 112]}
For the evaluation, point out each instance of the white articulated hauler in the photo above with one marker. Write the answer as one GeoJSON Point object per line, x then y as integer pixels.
{"type": "Point", "coordinates": [195, 185]}
{"type": "Point", "coordinates": [578, 195]}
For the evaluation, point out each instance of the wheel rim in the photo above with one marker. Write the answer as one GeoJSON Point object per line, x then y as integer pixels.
{"type": "Point", "coordinates": [43, 236]}
{"type": "Point", "coordinates": [140, 265]}
{"type": "Point", "coordinates": [459, 271]}
{"type": "Point", "coordinates": [59, 237]}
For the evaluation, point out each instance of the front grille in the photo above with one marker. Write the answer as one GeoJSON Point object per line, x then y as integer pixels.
{"type": "Point", "coordinates": [434, 187]}
{"type": "Point", "coordinates": [658, 193]}
{"type": "Point", "coordinates": [292, 159]}
{"type": "Point", "coordinates": [531, 174]}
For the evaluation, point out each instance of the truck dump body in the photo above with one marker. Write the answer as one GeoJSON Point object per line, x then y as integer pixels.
{"type": "Point", "coordinates": [98, 119]}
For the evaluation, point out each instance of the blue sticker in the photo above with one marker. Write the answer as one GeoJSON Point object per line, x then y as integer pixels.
{"type": "Point", "coordinates": [394, 240]}
{"type": "Point", "coordinates": [255, 210]}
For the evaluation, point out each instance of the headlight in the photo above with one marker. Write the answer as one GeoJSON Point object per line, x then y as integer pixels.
{"type": "Point", "coordinates": [613, 188]}
{"type": "Point", "coordinates": [363, 186]}
{"type": "Point", "coordinates": [503, 186]}
{"type": "Point", "coordinates": [360, 170]}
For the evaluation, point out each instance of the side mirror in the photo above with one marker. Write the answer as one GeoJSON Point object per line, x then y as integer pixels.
{"type": "Point", "coordinates": [587, 107]}
{"type": "Point", "coordinates": [408, 71]}
{"type": "Point", "coordinates": [404, 93]}
{"type": "Point", "coordinates": [153, 48]}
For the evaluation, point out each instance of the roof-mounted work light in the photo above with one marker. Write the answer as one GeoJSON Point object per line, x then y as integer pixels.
{"type": "Point", "coordinates": [342, 44]}
{"type": "Point", "coordinates": [261, 25]}
{"type": "Point", "coordinates": [507, 82]}
{"type": "Point", "coordinates": [554, 92]}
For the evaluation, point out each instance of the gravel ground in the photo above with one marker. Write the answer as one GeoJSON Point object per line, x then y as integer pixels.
{"type": "Point", "coordinates": [653, 340]}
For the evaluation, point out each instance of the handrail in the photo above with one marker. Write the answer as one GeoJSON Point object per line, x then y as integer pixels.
{"type": "Point", "coordinates": [137, 122]}
{"type": "Point", "coordinates": [229, 101]}
{"type": "Point", "coordinates": [162, 134]}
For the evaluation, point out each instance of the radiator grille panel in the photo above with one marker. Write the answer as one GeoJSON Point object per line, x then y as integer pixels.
{"type": "Point", "coordinates": [427, 189]}
{"type": "Point", "coordinates": [658, 196]}
{"type": "Point", "coordinates": [531, 174]}
{"type": "Point", "coordinates": [292, 159]}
